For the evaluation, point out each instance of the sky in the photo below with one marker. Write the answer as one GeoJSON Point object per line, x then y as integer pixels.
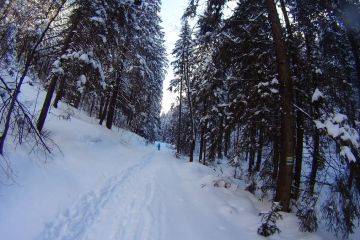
{"type": "Point", "coordinates": [171, 12]}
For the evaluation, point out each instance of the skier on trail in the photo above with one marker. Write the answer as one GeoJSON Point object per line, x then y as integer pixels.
{"type": "Point", "coordinates": [158, 146]}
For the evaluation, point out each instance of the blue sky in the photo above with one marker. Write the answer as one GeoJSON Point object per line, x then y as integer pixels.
{"type": "Point", "coordinates": [171, 12]}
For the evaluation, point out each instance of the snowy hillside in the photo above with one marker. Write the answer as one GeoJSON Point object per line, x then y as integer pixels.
{"type": "Point", "coordinates": [104, 184]}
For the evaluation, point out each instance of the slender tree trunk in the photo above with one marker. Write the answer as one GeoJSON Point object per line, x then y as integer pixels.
{"type": "Point", "coordinates": [276, 157]}
{"type": "Point", "coordinates": [220, 139]}
{"type": "Point", "coordinates": [252, 149]}
{"type": "Point", "coordinates": [179, 119]}
{"type": "Point", "coordinates": [201, 143]}
{"type": "Point", "coordinates": [112, 104]}
{"type": "Point", "coordinates": [190, 102]}
{"type": "Point", "coordinates": [204, 152]}
{"type": "Point", "coordinates": [315, 162]}
{"type": "Point", "coordinates": [102, 102]}
{"type": "Point", "coordinates": [287, 154]}
{"type": "Point", "coordinates": [299, 152]}
{"type": "Point", "coordinates": [316, 152]}
{"type": "Point", "coordinates": [103, 114]}
{"type": "Point", "coordinates": [260, 147]}
{"type": "Point", "coordinates": [92, 106]}
{"type": "Point", "coordinates": [60, 92]}
{"type": "Point", "coordinates": [227, 141]}
{"type": "Point", "coordinates": [46, 104]}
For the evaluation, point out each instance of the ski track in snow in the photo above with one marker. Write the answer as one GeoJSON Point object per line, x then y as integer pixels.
{"type": "Point", "coordinates": [131, 215]}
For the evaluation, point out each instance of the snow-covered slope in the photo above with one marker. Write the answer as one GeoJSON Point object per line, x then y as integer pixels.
{"type": "Point", "coordinates": [112, 185]}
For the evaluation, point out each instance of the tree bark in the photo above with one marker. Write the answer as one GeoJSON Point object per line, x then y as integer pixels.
{"type": "Point", "coordinates": [287, 154]}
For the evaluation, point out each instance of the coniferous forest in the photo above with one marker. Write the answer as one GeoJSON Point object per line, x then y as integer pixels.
{"type": "Point", "coordinates": [272, 87]}
{"type": "Point", "coordinates": [104, 57]}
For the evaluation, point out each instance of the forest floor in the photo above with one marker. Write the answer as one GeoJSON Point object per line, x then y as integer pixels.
{"type": "Point", "coordinates": [110, 184]}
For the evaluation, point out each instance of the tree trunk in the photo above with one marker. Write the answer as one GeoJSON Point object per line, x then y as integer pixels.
{"type": "Point", "coordinates": [252, 149]}
{"type": "Point", "coordinates": [60, 92]}
{"type": "Point", "coordinates": [287, 154]}
{"type": "Point", "coordinates": [276, 157]}
{"type": "Point", "coordinates": [316, 152]}
{"type": "Point", "coordinates": [260, 147]}
{"type": "Point", "coordinates": [46, 104]}
{"type": "Point", "coordinates": [179, 120]}
{"type": "Point", "coordinates": [102, 101]}
{"type": "Point", "coordinates": [112, 105]}
{"type": "Point", "coordinates": [315, 162]}
{"type": "Point", "coordinates": [227, 141]}
{"type": "Point", "coordinates": [201, 143]}
{"type": "Point", "coordinates": [204, 152]}
{"type": "Point", "coordinates": [220, 139]}
{"type": "Point", "coordinates": [92, 106]}
{"type": "Point", "coordinates": [103, 113]}
{"type": "Point", "coordinates": [299, 151]}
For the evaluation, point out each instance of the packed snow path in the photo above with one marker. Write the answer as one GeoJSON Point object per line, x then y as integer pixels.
{"type": "Point", "coordinates": [147, 200]}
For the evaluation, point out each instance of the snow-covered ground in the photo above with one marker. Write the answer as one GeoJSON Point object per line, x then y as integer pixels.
{"type": "Point", "coordinates": [110, 184]}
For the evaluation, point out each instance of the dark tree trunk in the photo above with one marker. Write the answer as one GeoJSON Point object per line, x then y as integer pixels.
{"type": "Point", "coordinates": [92, 106]}
{"type": "Point", "coordinates": [316, 153]}
{"type": "Point", "coordinates": [276, 157]}
{"type": "Point", "coordinates": [220, 139]}
{"type": "Point", "coordinates": [227, 141]}
{"type": "Point", "coordinates": [112, 104]}
{"type": "Point", "coordinates": [299, 152]}
{"type": "Point", "coordinates": [260, 147]}
{"type": "Point", "coordinates": [178, 143]}
{"type": "Point", "coordinates": [46, 104]}
{"type": "Point", "coordinates": [60, 92]}
{"type": "Point", "coordinates": [103, 114]}
{"type": "Point", "coordinates": [102, 102]}
{"type": "Point", "coordinates": [315, 162]}
{"type": "Point", "coordinates": [201, 143]}
{"type": "Point", "coordinates": [252, 149]}
{"type": "Point", "coordinates": [283, 190]}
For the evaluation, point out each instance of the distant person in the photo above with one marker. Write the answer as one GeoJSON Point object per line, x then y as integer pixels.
{"type": "Point", "coordinates": [158, 146]}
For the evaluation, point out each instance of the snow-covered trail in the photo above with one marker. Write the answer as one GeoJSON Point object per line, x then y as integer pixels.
{"type": "Point", "coordinates": [157, 197]}
{"type": "Point", "coordinates": [118, 210]}
{"type": "Point", "coordinates": [151, 199]}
